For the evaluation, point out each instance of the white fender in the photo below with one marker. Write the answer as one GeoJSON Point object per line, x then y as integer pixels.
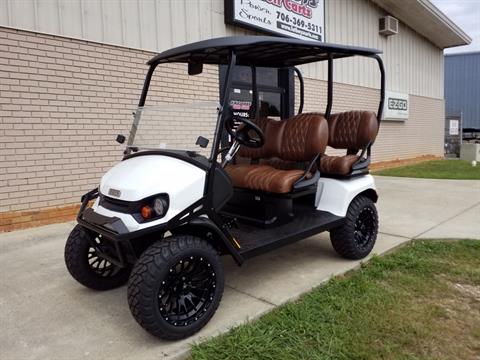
{"type": "Point", "coordinates": [335, 195]}
{"type": "Point", "coordinates": [143, 176]}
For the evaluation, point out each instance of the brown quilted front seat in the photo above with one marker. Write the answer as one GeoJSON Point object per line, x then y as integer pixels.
{"type": "Point", "coordinates": [287, 144]}
{"type": "Point", "coordinates": [351, 130]}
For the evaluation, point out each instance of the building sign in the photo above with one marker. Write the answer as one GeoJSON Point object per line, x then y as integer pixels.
{"type": "Point", "coordinates": [303, 19]}
{"type": "Point", "coordinates": [396, 106]}
{"type": "Point", "coordinates": [241, 108]}
{"type": "Point", "coordinates": [453, 128]}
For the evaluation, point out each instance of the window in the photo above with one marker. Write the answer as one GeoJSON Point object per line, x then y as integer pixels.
{"type": "Point", "coordinates": [274, 98]}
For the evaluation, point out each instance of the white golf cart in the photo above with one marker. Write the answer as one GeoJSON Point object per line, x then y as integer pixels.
{"type": "Point", "coordinates": [161, 217]}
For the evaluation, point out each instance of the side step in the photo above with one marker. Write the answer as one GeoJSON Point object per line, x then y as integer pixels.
{"type": "Point", "coordinates": [256, 240]}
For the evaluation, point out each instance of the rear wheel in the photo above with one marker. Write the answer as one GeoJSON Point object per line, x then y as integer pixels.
{"type": "Point", "coordinates": [176, 287]}
{"type": "Point", "coordinates": [87, 266]}
{"type": "Point", "coordinates": [356, 237]}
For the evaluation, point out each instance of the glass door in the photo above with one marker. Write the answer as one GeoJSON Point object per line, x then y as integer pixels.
{"type": "Point", "coordinates": [275, 92]}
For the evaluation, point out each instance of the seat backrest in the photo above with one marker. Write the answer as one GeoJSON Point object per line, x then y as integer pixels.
{"type": "Point", "coordinates": [273, 134]}
{"type": "Point", "coordinates": [352, 129]}
{"type": "Point", "coordinates": [305, 136]}
{"type": "Point", "coordinates": [298, 138]}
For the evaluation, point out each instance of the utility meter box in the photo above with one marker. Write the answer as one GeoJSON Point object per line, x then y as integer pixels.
{"type": "Point", "coordinates": [470, 152]}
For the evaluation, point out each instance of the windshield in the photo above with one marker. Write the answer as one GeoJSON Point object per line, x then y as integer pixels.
{"type": "Point", "coordinates": [174, 126]}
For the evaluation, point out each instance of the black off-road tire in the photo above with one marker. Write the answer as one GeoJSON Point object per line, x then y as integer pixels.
{"type": "Point", "coordinates": [87, 267]}
{"type": "Point", "coordinates": [355, 238]}
{"type": "Point", "coordinates": [155, 276]}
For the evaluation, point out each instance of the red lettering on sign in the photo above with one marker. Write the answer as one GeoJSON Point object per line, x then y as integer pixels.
{"type": "Point", "coordinates": [275, 2]}
{"type": "Point", "coordinates": [303, 10]}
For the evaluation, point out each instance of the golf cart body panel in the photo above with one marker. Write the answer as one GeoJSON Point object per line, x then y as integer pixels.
{"type": "Point", "coordinates": [139, 177]}
{"type": "Point", "coordinates": [177, 207]}
{"type": "Point", "coordinates": [335, 195]}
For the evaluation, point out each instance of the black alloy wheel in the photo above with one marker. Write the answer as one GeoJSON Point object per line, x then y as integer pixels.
{"type": "Point", "coordinates": [365, 227]}
{"type": "Point", "coordinates": [101, 266]}
{"type": "Point", "coordinates": [176, 286]}
{"type": "Point", "coordinates": [355, 238]}
{"type": "Point", "coordinates": [87, 266]}
{"type": "Point", "coordinates": [188, 291]}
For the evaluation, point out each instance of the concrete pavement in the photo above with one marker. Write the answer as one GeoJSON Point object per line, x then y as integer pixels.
{"type": "Point", "coordinates": [46, 314]}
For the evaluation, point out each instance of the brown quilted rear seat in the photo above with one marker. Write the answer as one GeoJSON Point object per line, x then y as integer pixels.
{"type": "Point", "coordinates": [287, 143]}
{"type": "Point", "coordinates": [351, 130]}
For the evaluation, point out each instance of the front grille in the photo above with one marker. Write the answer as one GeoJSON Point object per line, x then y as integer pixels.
{"type": "Point", "coordinates": [116, 204]}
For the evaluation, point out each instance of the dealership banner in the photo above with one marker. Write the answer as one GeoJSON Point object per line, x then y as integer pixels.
{"type": "Point", "coordinates": [396, 106]}
{"type": "Point", "coordinates": [303, 19]}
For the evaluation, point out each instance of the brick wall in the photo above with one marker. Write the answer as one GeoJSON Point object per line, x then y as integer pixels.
{"type": "Point", "coordinates": [62, 101]}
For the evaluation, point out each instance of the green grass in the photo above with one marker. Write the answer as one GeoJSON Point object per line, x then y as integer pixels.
{"type": "Point", "coordinates": [436, 169]}
{"type": "Point", "coordinates": [406, 305]}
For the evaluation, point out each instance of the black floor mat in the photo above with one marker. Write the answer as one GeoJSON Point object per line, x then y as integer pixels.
{"type": "Point", "coordinates": [256, 240]}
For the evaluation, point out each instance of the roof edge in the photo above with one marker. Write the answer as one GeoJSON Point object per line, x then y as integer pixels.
{"type": "Point", "coordinates": [463, 53]}
{"type": "Point", "coordinates": [429, 21]}
{"type": "Point", "coordinates": [223, 45]}
{"type": "Point", "coordinates": [446, 20]}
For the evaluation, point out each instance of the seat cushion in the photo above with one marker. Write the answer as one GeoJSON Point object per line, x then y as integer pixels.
{"type": "Point", "coordinates": [263, 178]}
{"type": "Point", "coordinates": [337, 165]}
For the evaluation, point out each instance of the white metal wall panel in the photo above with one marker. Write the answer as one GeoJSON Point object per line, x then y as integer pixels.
{"type": "Point", "coordinates": [414, 65]}
{"type": "Point", "coordinates": [130, 23]}
{"type": "Point", "coordinates": [178, 22]}
{"type": "Point", "coordinates": [164, 26]}
{"type": "Point", "coordinates": [112, 22]}
{"type": "Point", "coordinates": [148, 24]}
{"type": "Point", "coordinates": [11, 8]}
{"type": "Point", "coordinates": [47, 16]}
{"type": "Point", "coordinates": [205, 15]}
{"type": "Point", "coordinates": [91, 18]}
{"type": "Point", "coordinates": [70, 13]}
{"type": "Point", "coordinates": [4, 13]}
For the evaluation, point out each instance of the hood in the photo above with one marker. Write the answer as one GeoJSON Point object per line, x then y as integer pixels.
{"type": "Point", "coordinates": [142, 176]}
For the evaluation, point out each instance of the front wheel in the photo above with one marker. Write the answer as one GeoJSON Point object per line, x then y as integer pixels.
{"type": "Point", "coordinates": [176, 287]}
{"type": "Point", "coordinates": [87, 266]}
{"type": "Point", "coordinates": [356, 237]}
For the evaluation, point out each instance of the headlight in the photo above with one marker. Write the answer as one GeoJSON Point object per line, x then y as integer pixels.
{"type": "Point", "coordinates": [154, 207]}
{"type": "Point", "coordinates": [160, 206]}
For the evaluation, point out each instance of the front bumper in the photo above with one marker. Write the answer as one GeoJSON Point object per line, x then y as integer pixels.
{"type": "Point", "coordinates": [112, 225]}
{"type": "Point", "coordinates": [112, 228]}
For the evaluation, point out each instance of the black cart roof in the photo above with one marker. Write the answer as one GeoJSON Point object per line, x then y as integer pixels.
{"type": "Point", "coordinates": [265, 51]}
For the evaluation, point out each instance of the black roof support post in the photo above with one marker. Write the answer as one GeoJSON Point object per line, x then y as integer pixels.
{"type": "Point", "coordinates": [328, 110]}
{"type": "Point", "coordinates": [302, 88]}
{"type": "Point", "coordinates": [382, 99]}
{"type": "Point", "coordinates": [223, 109]}
{"type": "Point", "coordinates": [146, 85]}
{"type": "Point", "coordinates": [382, 87]}
{"type": "Point", "coordinates": [255, 106]}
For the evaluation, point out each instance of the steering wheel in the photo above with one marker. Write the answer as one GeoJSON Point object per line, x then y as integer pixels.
{"type": "Point", "coordinates": [246, 133]}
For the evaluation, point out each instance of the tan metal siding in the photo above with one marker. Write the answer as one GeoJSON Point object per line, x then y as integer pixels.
{"type": "Point", "coordinates": [414, 65]}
